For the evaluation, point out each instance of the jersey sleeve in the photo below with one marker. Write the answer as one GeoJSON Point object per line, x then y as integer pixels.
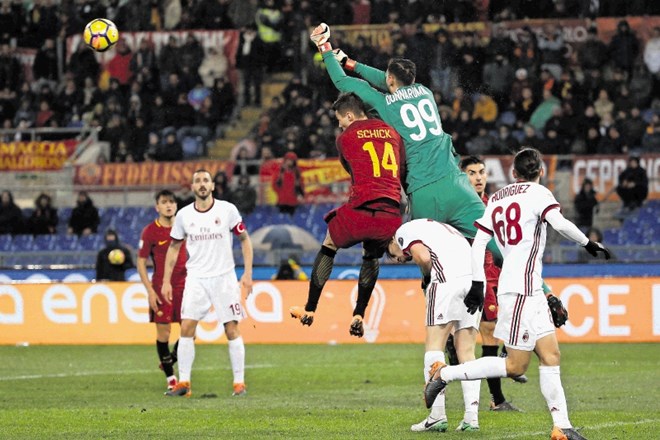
{"type": "Point", "coordinates": [344, 83]}
{"type": "Point", "coordinates": [178, 232]}
{"type": "Point", "coordinates": [545, 200]}
{"type": "Point", "coordinates": [485, 223]}
{"type": "Point", "coordinates": [144, 249]}
{"type": "Point", "coordinates": [373, 76]}
{"type": "Point", "coordinates": [235, 218]}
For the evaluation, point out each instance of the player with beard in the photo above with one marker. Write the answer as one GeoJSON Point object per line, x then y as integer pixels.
{"type": "Point", "coordinates": [154, 242]}
{"type": "Point", "coordinates": [207, 225]}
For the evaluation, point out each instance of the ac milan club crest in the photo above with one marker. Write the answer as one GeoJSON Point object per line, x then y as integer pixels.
{"type": "Point", "coordinates": [525, 336]}
{"type": "Point", "coordinates": [400, 241]}
{"type": "Point", "coordinates": [217, 220]}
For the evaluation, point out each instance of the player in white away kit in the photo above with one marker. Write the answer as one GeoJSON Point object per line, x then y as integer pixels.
{"type": "Point", "coordinates": [443, 256]}
{"type": "Point", "coordinates": [517, 215]}
{"type": "Point", "coordinates": [207, 226]}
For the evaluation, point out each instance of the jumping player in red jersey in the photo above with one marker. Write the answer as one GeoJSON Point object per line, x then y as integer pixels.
{"type": "Point", "coordinates": [372, 153]}
{"type": "Point", "coordinates": [154, 242]}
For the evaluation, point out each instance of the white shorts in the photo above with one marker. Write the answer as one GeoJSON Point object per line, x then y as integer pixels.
{"type": "Point", "coordinates": [222, 293]}
{"type": "Point", "coordinates": [444, 304]}
{"type": "Point", "coordinates": [522, 320]}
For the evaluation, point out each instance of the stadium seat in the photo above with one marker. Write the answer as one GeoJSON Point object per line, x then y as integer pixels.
{"type": "Point", "coordinates": [90, 242]}
{"type": "Point", "coordinates": [44, 242]}
{"type": "Point", "coordinates": [5, 242]}
{"type": "Point", "coordinates": [22, 243]}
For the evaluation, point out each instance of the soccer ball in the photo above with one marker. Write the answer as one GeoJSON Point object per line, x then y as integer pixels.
{"type": "Point", "coordinates": [100, 34]}
{"type": "Point", "coordinates": [116, 257]}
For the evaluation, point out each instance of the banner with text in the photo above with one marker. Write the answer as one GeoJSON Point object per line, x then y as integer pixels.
{"type": "Point", "coordinates": [324, 180]}
{"type": "Point", "coordinates": [601, 310]}
{"type": "Point", "coordinates": [146, 173]}
{"type": "Point", "coordinates": [604, 172]}
{"type": "Point", "coordinates": [35, 155]}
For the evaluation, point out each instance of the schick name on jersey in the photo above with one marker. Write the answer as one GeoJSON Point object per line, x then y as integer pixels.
{"type": "Point", "coordinates": [414, 91]}
{"type": "Point", "coordinates": [380, 133]}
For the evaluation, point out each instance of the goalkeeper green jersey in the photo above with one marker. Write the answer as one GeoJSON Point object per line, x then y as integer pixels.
{"type": "Point", "coordinates": [412, 111]}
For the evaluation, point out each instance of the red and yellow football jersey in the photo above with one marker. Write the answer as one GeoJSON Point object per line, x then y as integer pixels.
{"type": "Point", "coordinates": [154, 243]}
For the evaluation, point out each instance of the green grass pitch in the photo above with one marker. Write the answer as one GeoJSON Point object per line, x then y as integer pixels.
{"type": "Point", "coordinates": [306, 391]}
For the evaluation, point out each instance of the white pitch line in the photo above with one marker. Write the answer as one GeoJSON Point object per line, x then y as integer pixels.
{"type": "Point", "coordinates": [589, 427]}
{"type": "Point", "coordinates": [115, 373]}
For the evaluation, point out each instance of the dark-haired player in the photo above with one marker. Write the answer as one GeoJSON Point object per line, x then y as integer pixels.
{"type": "Point", "coordinates": [517, 217]}
{"type": "Point", "coordinates": [154, 242]}
{"type": "Point", "coordinates": [372, 153]}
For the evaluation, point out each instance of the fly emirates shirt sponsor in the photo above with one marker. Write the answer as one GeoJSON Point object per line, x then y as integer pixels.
{"type": "Point", "coordinates": [209, 237]}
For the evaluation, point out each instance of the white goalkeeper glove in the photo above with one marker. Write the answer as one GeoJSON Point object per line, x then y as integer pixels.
{"type": "Point", "coordinates": [321, 37]}
{"type": "Point", "coordinates": [343, 59]}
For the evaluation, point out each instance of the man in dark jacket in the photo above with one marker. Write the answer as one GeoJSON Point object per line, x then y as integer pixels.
{"type": "Point", "coordinates": [633, 185]}
{"type": "Point", "coordinates": [110, 265]}
{"type": "Point", "coordinates": [585, 203]}
{"type": "Point", "coordinates": [84, 217]}
{"type": "Point", "coordinates": [11, 216]}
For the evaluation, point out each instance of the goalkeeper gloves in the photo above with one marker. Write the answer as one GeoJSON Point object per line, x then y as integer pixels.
{"type": "Point", "coordinates": [475, 298]}
{"type": "Point", "coordinates": [343, 59]}
{"type": "Point", "coordinates": [559, 312]}
{"type": "Point", "coordinates": [593, 247]}
{"type": "Point", "coordinates": [321, 37]}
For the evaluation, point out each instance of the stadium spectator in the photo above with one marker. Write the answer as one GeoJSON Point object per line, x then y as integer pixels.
{"type": "Point", "coordinates": [544, 110]}
{"type": "Point", "coordinates": [211, 279]}
{"type": "Point", "coordinates": [551, 46]}
{"type": "Point", "coordinates": [45, 69]}
{"type": "Point", "coordinates": [485, 109]}
{"type": "Point", "coordinates": [113, 260]}
{"type": "Point", "coordinates": [168, 60]}
{"type": "Point", "coordinates": [250, 59]}
{"type": "Point", "coordinates": [585, 204]}
{"type": "Point", "coordinates": [119, 66]}
{"type": "Point", "coordinates": [603, 104]}
{"type": "Point", "coordinates": [372, 213]}
{"type": "Point", "coordinates": [44, 217]}
{"type": "Point", "coordinates": [269, 28]}
{"type": "Point", "coordinates": [154, 242]}
{"type": "Point", "coordinates": [652, 58]}
{"type": "Point", "coordinates": [144, 61]}
{"type": "Point", "coordinates": [84, 216]}
{"type": "Point", "coordinates": [443, 257]}
{"type": "Point", "coordinates": [288, 185]}
{"type": "Point", "coordinates": [612, 142]}
{"type": "Point", "coordinates": [624, 48]}
{"type": "Point", "coordinates": [223, 99]}
{"type": "Point", "coordinates": [214, 14]}
{"type": "Point", "coordinates": [506, 141]}
{"type": "Point", "coordinates": [214, 65]}
{"type": "Point", "coordinates": [221, 189]}
{"type": "Point", "coordinates": [11, 216]}
{"type": "Point", "coordinates": [593, 53]}
{"type": "Point", "coordinates": [633, 187]}
{"type": "Point", "coordinates": [244, 196]}
{"type": "Point", "coordinates": [498, 75]}
{"type": "Point", "coordinates": [170, 150]}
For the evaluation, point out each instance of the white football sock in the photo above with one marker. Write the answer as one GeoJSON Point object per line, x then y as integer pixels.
{"type": "Point", "coordinates": [471, 389]}
{"type": "Point", "coordinates": [186, 356]}
{"type": "Point", "coordinates": [553, 391]}
{"type": "Point", "coordinates": [438, 411]}
{"type": "Point", "coordinates": [482, 368]}
{"type": "Point", "coordinates": [237, 358]}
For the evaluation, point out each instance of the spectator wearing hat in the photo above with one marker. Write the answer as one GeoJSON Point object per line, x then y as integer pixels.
{"type": "Point", "coordinates": [84, 217]}
{"type": "Point", "coordinates": [288, 185]}
{"type": "Point", "coordinates": [624, 47]}
{"type": "Point", "coordinates": [44, 218]}
{"type": "Point", "coordinates": [633, 187]}
{"type": "Point", "coordinates": [11, 216]}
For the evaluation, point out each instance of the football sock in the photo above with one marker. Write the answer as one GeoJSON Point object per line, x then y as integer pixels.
{"type": "Point", "coordinates": [320, 274]}
{"type": "Point", "coordinates": [550, 381]}
{"type": "Point", "coordinates": [186, 355]}
{"type": "Point", "coordinates": [494, 384]}
{"type": "Point", "coordinates": [438, 411]}
{"type": "Point", "coordinates": [366, 283]}
{"type": "Point", "coordinates": [174, 350]}
{"type": "Point", "coordinates": [471, 389]}
{"type": "Point", "coordinates": [481, 368]}
{"type": "Point", "coordinates": [237, 358]}
{"type": "Point", "coordinates": [165, 356]}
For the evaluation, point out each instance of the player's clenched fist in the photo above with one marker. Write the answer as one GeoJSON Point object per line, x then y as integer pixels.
{"type": "Point", "coordinates": [320, 34]}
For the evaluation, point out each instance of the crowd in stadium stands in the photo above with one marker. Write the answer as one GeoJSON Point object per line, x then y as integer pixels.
{"type": "Point", "coordinates": [494, 94]}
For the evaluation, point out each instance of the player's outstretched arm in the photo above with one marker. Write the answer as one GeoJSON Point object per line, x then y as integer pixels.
{"type": "Point", "coordinates": [248, 258]}
{"type": "Point", "coordinates": [568, 230]}
{"type": "Point", "coordinates": [474, 300]}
